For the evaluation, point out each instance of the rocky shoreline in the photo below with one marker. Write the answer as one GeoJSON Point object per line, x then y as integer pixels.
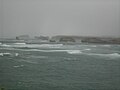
{"type": "Point", "coordinates": [66, 40]}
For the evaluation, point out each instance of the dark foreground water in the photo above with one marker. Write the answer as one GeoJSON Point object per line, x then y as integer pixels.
{"type": "Point", "coordinates": [59, 67]}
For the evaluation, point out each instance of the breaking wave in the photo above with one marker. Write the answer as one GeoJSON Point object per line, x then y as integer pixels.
{"type": "Point", "coordinates": [9, 54]}
{"type": "Point", "coordinates": [24, 45]}
{"type": "Point", "coordinates": [112, 55]}
{"type": "Point", "coordinates": [43, 50]}
{"type": "Point", "coordinates": [4, 45]}
{"type": "Point", "coordinates": [67, 51]}
{"type": "Point", "coordinates": [74, 52]}
{"type": "Point", "coordinates": [5, 54]}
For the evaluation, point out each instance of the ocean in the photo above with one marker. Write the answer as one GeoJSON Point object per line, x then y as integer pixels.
{"type": "Point", "coordinates": [59, 67]}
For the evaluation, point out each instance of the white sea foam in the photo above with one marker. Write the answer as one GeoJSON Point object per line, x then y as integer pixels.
{"type": "Point", "coordinates": [28, 61]}
{"type": "Point", "coordinates": [0, 43]}
{"type": "Point", "coordinates": [51, 45]}
{"type": "Point", "coordinates": [93, 46]}
{"type": "Point", "coordinates": [16, 54]}
{"type": "Point", "coordinates": [5, 45]}
{"type": "Point", "coordinates": [87, 49]}
{"type": "Point", "coordinates": [74, 52]}
{"type": "Point", "coordinates": [1, 54]}
{"type": "Point", "coordinates": [112, 55]}
{"type": "Point", "coordinates": [17, 66]}
{"type": "Point", "coordinates": [5, 54]}
{"type": "Point", "coordinates": [50, 50]}
{"type": "Point", "coordinates": [9, 54]}
{"type": "Point", "coordinates": [24, 45]}
{"type": "Point", "coordinates": [105, 45]}
{"type": "Point", "coordinates": [67, 51]}
{"type": "Point", "coordinates": [38, 56]}
{"type": "Point", "coordinates": [20, 43]}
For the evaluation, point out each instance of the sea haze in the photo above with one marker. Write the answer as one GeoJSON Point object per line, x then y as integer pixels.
{"type": "Point", "coordinates": [59, 44]}
{"type": "Point", "coordinates": [60, 17]}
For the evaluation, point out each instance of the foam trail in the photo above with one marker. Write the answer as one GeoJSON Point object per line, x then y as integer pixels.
{"type": "Point", "coordinates": [27, 61]}
{"type": "Point", "coordinates": [74, 52]}
{"type": "Point", "coordinates": [112, 55]}
{"type": "Point", "coordinates": [24, 45]}
{"type": "Point", "coordinates": [48, 50]}
{"type": "Point", "coordinates": [106, 45]}
{"type": "Point", "coordinates": [68, 51]}
{"type": "Point", "coordinates": [88, 49]}
{"type": "Point", "coordinates": [20, 43]}
{"type": "Point", "coordinates": [93, 46]}
{"type": "Point", "coordinates": [5, 45]}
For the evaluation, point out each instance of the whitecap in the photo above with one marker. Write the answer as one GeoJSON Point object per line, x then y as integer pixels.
{"type": "Point", "coordinates": [16, 54]}
{"type": "Point", "coordinates": [74, 52]}
{"type": "Point", "coordinates": [112, 55]}
{"type": "Point", "coordinates": [43, 50]}
{"type": "Point", "coordinates": [5, 54]}
{"type": "Point", "coordinates": [5, 45]}
{"type": "Point", "coordinates": [23, 45]}
{"type": "Point", "coordinates": [1, 54]}
{"type": "Point", "coordinates": [9, 54]}
{"type": "Point", "coordinates": [17, 66]}
{"type": "Point", "coordinates": [68, 51]}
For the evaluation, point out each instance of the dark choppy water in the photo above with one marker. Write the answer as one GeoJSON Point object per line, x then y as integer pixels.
{"type": "Point", "coordinates": [59, 67]}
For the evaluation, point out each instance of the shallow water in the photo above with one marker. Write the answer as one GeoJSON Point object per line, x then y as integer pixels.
{"type": "Point", "coordinates": [59, 67]}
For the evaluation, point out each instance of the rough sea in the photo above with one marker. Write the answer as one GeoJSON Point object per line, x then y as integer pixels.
{"type": "Point", "coordinates": [59, 67]}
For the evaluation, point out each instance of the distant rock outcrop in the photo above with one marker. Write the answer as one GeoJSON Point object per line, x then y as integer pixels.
{"type": "Point", "coordinates": [85, 39]}
{"type": "Point", "coordinates": [23, 37]}
{"type": "Point", "coordinates": [67, 39]}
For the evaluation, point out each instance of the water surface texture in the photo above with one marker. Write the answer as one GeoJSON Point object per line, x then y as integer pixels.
{"type": "Point", "coordinates": [59, 67]}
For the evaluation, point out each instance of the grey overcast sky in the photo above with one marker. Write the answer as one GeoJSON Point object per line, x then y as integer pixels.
{"type": "Point", "coordinates": [60, 17]}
